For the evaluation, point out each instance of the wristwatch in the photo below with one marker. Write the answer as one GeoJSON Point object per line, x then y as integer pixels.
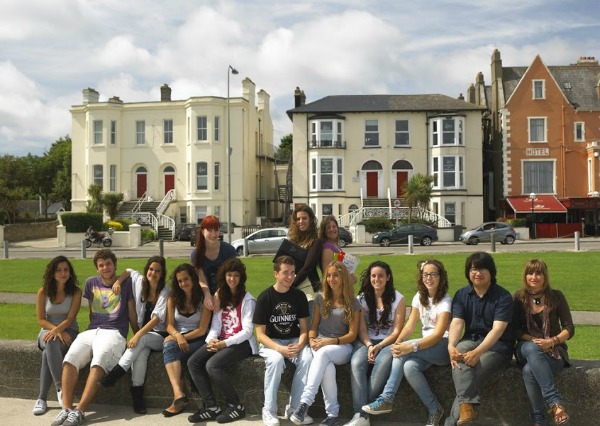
{"type": "Point", "coordinates": [415, 346]}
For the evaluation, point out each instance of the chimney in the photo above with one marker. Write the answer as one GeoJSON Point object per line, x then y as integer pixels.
{"type": "Point", "coordinates": [587, 61]}
{"type": "Point", "coordinates": [115, 100]}
{"type": "Point", "coordinates": [461, 97]}
{"type": "Point", "coordinates": [299, 98]}
{"type": "Point", "coordinates": [90, 95]}
{"type": "Point", "coordinates": [165, 93]}
{"type": "Point", "coordinates": [471, 94]}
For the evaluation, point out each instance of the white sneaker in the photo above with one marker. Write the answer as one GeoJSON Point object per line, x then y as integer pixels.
{"type": "Point", "coordinates": [40, 407]}
{"type": "Point", "coordinates": [289, 410]}
{"type": "Point", "coordinates": [269, 419]}
{"type": "Point", "coordinates": [358, 420]}
{"type": "Point", "coordinates": [61, 418]}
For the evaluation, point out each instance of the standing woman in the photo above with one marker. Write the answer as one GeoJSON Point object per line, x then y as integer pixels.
{"type": "Point", "coordinates": [334, 328]}
{"type": "Point", "coordinates": [329, 233]}
{"type": "Point", "coordinates": [209, 254]}
{"type": "Point", "coordinates": [230, 340]}
{"type": "Point", "coordinates": [303, 232]}
{"type": "Point", "coordinates": [150, 294]}
{"type": "Point", "coordinates": [57, 305]}
{"type": "Point", "coordinates": [543, 323]}
{"type": "Point", "coordinates": [432, 306]}
{"type": "Point", "coordinates": [384, 311]}
{"type": "Point", "coordinates": [187, 324]}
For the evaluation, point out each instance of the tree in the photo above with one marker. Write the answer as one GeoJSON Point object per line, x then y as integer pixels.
{"type": "Point", "coordinates": [94, 204]}
{"type": "Point", "coordinates": [110, 202]}
{"type": "Point", "coordinates": [284, 152]}
{"type": "Point", "coordinates": [417, 192]}
{"type": "Point", "coordinates": [60, 154]}
{"type": "Point", "coordinates": [14, 174]}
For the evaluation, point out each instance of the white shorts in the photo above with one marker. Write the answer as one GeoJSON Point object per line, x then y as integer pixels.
{"type": "Point", "coordinates": [103, 347]}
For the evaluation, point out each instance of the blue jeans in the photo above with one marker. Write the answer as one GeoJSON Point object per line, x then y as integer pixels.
{"type": "Point", "coordinates": [172, 353]}
{"type": "Point", "coordinates": [538, 370]}
{"type": "Point", "coordinates": [468, 380]}
{"type": "Point", "coordinates": [274, 366]}
{"type": "Point", "coordinates": [365, 388]}
{"type": "Point", "coordinates": [412, 366]}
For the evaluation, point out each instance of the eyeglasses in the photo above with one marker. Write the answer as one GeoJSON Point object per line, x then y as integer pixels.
{"type": "Point", "coordinates": [477, 270]}
{"type": "Point", "coordinates": [426, 275]}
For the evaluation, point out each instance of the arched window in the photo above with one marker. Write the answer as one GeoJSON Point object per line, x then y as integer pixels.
{"type": "Point", "coordinates": [402, 165]}
{"type": "Point", "coordinates": [372, 165]}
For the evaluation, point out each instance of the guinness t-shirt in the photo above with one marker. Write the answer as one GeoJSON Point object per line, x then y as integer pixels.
{"type": "Point", "coordinates": [280, 312]}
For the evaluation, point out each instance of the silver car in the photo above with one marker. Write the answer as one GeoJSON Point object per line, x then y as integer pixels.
{"type": "Point", "coordinates": [265, 240]}
{"type": "Point", "coordinates": [502, 232]}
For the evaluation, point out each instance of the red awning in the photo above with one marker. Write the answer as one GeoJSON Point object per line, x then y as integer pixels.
{"type": "Point", "coordinates": [541, 204]}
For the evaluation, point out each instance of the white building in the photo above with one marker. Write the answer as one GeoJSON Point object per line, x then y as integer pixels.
{"type": "Point", "coordinates": [178, 148]}
{"type": "Point", "coordinates": [356, 151]}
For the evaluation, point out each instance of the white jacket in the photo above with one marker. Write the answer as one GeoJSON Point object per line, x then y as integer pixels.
{"type": "Point", "coordinates": [160, 309]}
{"type": "Point", "coordinates": [247, 332]}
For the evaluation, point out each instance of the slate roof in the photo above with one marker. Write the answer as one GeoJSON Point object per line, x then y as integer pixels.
{"type": "Point", "coordinates": [581, 79]}
{"type": "Point", "coordinates": [384, 103]}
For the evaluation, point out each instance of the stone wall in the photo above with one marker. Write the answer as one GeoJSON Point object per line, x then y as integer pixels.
{"type": "Point", "coordinates": [504, 401]}
{"type": "Point", "coordinates": [30, 231]}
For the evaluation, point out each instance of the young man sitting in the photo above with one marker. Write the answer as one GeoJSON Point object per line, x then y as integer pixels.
{"type": "Point", "coordinates": [103, 342]}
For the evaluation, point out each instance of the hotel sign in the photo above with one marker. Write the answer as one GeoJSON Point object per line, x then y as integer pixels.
{"type": "Point", "coordinates": [537, 152]}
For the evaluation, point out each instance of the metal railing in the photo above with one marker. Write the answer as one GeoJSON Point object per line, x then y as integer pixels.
{"type": "Point", "coordinates": [171, 195]}
{"type": "Point", "coordinates": [401, 213]}
{"type": "Point", "coordinates": [138, 205]}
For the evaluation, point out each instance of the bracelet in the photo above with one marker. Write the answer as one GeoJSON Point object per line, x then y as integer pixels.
{"type": "Point", "coordinates": [338, 340]}
{"type": "Point", "coordinates": [368, 345]}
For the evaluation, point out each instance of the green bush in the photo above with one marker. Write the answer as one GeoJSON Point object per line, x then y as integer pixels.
{"type": "Point", "coordinates": [377, 224]}
{"type": "Point", "coordinates": [117, 226]}
{"type": "Point", "coordinates": [517, 222]}
{"type": "Point", "coordinates": [80, 222]}
{"type": "Point", "coordinates": [147, 235]}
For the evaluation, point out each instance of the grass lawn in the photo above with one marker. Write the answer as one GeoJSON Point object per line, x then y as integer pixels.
{"type": "Point", "coordinates": [575, 273]}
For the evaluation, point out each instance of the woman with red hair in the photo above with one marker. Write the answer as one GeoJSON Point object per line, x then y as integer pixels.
{"type": "Point", "coordinates": [209, 254]}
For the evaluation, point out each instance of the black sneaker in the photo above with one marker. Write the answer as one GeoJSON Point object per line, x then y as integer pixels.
{"type": "Point", "coordinates": [297, 416]}
{"type": "Point", "coordinates": [434, 418]}
{"type": "Point", "coordinates": [204, 414]}
{"type": "Point", "coordinates": [232, 413]}
{"type": "Point", "coordinates": [330, 421]}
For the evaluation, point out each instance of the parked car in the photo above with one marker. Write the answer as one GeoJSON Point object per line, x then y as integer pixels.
{"type": "Point", "coordinates": [265, 240]}
{"type": "Point", "coordinates": [183, 231]}
{"type": "Point", "coordinates": [345, 237]}
{"type": "Point", "coordinates": [423, 234]}
{"type": "Point", "coordinates": [502, 232]}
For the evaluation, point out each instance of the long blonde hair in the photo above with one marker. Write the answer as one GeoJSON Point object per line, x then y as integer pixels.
{"type": "Point", "coordinates": [347, 292]}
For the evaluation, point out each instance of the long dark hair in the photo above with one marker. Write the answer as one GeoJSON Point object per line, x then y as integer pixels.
{"type": "Point", "coordinates": [442, 289]}
{"type": "Point", "coordinates": [161, 282]}
{"type": "Point", "coordinates": [178, 295]}
{"type": "Point", "coordinates": [387, 298]}
{"type": "Point", "coordinates": [303, 238]}
{"type": "Point", "coordinates": [226, 297]}
{"type": "Point", "coordinates": [209, 222]}
{"type": "Point", "coordinates": [49, 283]}
{"type": "Point", "coordinates": [540, 267]}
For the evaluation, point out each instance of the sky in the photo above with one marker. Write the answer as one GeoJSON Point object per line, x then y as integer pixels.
{"type": "Point", "coordinates": [51, 50]}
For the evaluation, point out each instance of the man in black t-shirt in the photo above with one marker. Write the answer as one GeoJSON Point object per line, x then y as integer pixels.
{"type": "Point", "coordinates": [281, 319]}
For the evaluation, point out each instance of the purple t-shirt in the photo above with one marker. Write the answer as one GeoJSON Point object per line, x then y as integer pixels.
{"type": "Point", "coordinates": [109, 311]}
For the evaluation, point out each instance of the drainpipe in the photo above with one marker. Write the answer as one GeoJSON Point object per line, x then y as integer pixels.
{"type": "Point", "coordinates": [563, 153]}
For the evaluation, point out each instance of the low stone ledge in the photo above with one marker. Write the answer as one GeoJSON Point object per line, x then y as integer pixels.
{"type": "Point", "coordinates": [504, 401]}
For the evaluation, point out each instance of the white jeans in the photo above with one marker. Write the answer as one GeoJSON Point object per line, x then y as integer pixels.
{"type": "Point", "coordinates": [138, 356]}
{"type": "Point", "coordinates": [102, 347]}
{"type": "Point", "coordinates": [274, 366]}
{"type": "Point", "coordinates": [322, 372]}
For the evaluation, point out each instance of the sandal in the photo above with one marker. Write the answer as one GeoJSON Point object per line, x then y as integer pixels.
{"type": "Point", "coordinates": [560, 415]}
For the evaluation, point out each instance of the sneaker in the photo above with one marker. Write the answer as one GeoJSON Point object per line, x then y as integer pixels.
{"type": "Point", "coordinates": [75, 418]}
{"type": "Point", "coordinates": [40, 407]}
{"type": "Point", "coordinates": [379, 406]}
{"type": "Point", "coordinates": [269, 419]}
{"type": "Point", "coordinates": [289, 410]}
{"type": "Point", "coordinates": [330, 421]}
{"type": "Point", "coordinates": [434, 418]}
{"type": "Point", "coordinates": [299, 414]}
{"type": "Point", "coordinates": [231, 413]}
{"type": "Point", "coordinates": [204, 414]}
{"type": "Point", "coordinates": [358, 420]}
{"type": "Point", "coordinates": [62, 416]}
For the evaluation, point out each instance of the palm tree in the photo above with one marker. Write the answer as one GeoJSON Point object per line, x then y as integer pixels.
{"type": "Point", "coordinates": [417, 192]}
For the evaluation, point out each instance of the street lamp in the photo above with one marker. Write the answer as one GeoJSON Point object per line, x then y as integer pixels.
{"type": "Point", "coordinates": [234, 72]}
{"type": "Point", "coordinates": [532, 198]}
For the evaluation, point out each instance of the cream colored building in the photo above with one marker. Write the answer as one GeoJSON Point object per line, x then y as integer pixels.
{"type": "Point", "coordinates": [356, 151]}
{"type": "Point", "coordinates": [178, 148]}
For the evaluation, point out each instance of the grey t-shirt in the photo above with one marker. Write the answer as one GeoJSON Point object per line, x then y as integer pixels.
{"type": "Point", "coordinates": [334, 325]}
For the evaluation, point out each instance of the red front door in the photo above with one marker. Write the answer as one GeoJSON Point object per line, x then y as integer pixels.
{"type": "Point", "coordinates": [141, 184]}
{"type": "Point", "coordinates": [401, 179]}
{"type": "Point", "coordinates": [169, 183]}
{"type": "Point", "coordinates": [372, 184]}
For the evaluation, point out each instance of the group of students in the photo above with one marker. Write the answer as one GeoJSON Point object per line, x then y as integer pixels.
{"type": "Point", "coordinates": [207, 320]}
